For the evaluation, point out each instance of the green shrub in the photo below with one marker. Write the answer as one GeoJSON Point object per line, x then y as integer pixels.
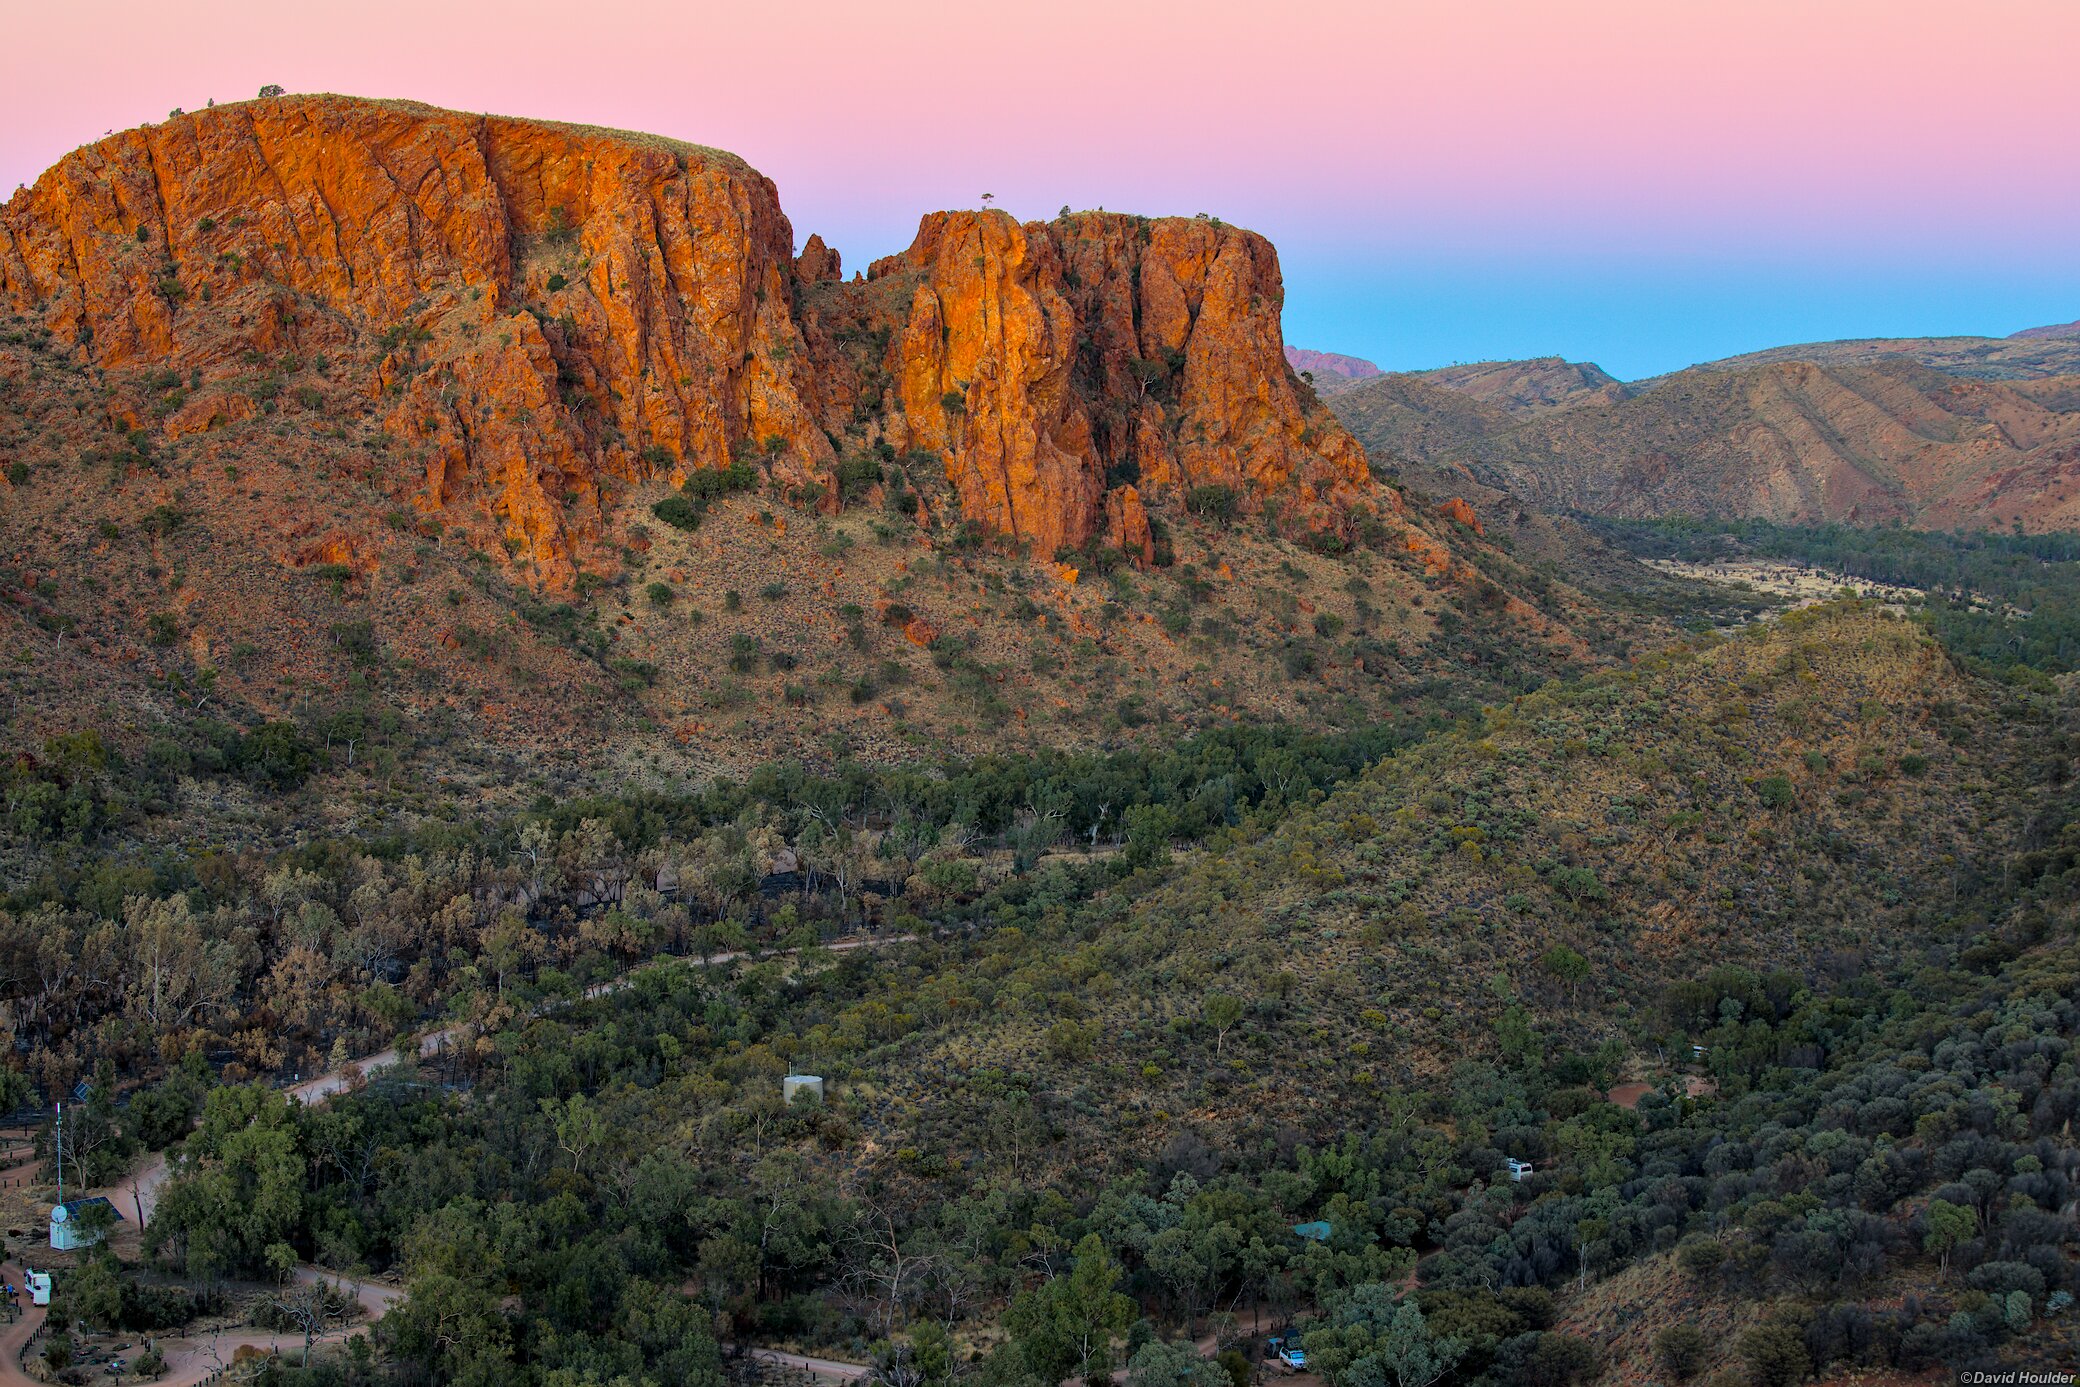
{"type": "Point", "coordinates": [856, 474]}
{"type": "Point", "coordinates": [683, 509]}
{"type": "Point", "coordinates": [1682, 1349]}
{"type": "Point", "coordinates": [1775, 1355]}
{"type": "Point", "coordinates": [1214, 501]}
{"type": "Point", "coordinates": [677, 511]}
{"type": "Point", "coordinates": [633, 674]}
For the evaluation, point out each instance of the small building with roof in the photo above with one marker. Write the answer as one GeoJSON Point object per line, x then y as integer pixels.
{"type": "Point", "coordinates": [80, 1222]}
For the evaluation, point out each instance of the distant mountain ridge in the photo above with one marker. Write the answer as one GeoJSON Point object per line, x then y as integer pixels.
{"type": "Point", "coordinates": [1331, 364]}
{"type": "Point", "coordinates": [1934, 432]}
{"type": "Point", "coordinates": [1531, 387]}
{"type": "Point", "coordinates": [2034, 354]}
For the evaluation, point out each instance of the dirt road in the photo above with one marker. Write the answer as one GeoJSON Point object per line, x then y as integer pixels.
{"type": "Point", "coordinates": [831, 1368]}
{"type": "Point", "coordinates": [137, 1196]}
{"type": "Point", "coordinates": [17, 1334]}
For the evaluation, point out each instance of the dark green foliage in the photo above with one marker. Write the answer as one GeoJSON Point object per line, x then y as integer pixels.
{"type": "Point", "coordinates": [679, 512]}
{"type": "Point", "coordinates": [704, 486]}
{"type": "Point", "coordinates": [605, 1181]}
{"type": "Point", "coordinates": [1214, 501]}
{"type": "Point", "coordinates": [357, 639]}
{"type": "Point", "coordinates": [1682, 1349]}
{"type": "Point", "coordinates": [1775, 791]}
{"type": "Point", "coordinates": [2027, 587]}
{"type": "Point", "coordinates": [1775, 1355]}
{"type": "Point", "coordinates": [856, 474]}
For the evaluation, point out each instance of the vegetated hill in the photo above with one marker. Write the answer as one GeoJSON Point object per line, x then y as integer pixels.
{"type": "Point", "coordinates": [1790, 441]}
{"type": "Point", "coordinates": [1407, 418]}
{"type": "Point", "coordinates": [1354, 1012]}
{"type": "Point", "coordinates": [1531, 387]}
{"type": "Point", "coordinates": [1098, 1067]}
{"type": "Point", "coordinates": [2055, 330]}
{"type": "Point", "coordinates": [1825, 792]}
{"type": "Point", "coordinates": [1330, 372]}
{"type": "Point", "coordinates": [174, 600]}
{"type": "Point", "coordinates": [572, 471]}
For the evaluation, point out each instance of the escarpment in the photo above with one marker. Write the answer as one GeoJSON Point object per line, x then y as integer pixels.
{"type": "Point", "coordinates": [532, 320]}
{"type": "Point", "coordinates": [1069, 370]}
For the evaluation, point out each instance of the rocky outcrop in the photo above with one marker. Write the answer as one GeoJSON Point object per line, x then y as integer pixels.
{"type": "Point", "coordinates": [1055, 362]}
{"type": "Point", "coordinates": [543, 305]}
{"type": "Point", "coordinates": [1457, 509]}
{"type": "Point", "coordinates": [536, 312]}
{"type": "Point", "coordinates": [818, 263]}
{"type": "Point", "coordinates": [983, 369]}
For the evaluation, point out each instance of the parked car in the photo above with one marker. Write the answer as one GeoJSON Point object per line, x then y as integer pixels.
{"type": "Point", "coordinates": [1285, 1353]}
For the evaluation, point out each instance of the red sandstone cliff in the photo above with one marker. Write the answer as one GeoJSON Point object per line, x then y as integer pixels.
{"type": "Point", "coordinates": [1043, 358]}
{"type": "Point", "coordinates": [539, 312]}
{"type": "Point", "coordinates": [539, 306]}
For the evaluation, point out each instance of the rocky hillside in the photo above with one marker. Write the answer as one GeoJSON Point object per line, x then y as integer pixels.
{"type": "Point", "coordinates": [483, 436]}
{"type": "Point", "coordinates": [1868, 439]}
{"type": "Point", "coordinates": [2034, 354]}
{"type": "Point", "coordinates": [1748, 803]}
{"type": "Point", "coordinates": [532, 313]}
{"type": "Point", "coordinates": [1524, 389]}
{"type": "Point", "coordinates": [539, 313]}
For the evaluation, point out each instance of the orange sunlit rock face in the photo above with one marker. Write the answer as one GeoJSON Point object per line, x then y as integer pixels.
{"type": "Point", "coordinates": [540, 316]}
{"type": "Point", "coordinates": [1048, 358]}
{"type": "Point", "coordinates": [540, 306]}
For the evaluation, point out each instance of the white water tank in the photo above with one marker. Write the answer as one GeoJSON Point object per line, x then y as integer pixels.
{"type": "Point", "coordinates": [801, 1086]}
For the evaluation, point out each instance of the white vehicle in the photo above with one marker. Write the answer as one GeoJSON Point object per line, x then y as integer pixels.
{"type": "Point", "coordinates": [39, 1287]}
{"type": "Point", "coordinates": [1286, 1353]}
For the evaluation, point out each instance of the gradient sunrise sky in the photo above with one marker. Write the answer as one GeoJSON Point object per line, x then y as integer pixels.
{"type": "Point", "coordinates": [1642, 183]}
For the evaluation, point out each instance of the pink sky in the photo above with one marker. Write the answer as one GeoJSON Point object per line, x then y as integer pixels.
{"type": "Point", "coordinates": [1538, 140]}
